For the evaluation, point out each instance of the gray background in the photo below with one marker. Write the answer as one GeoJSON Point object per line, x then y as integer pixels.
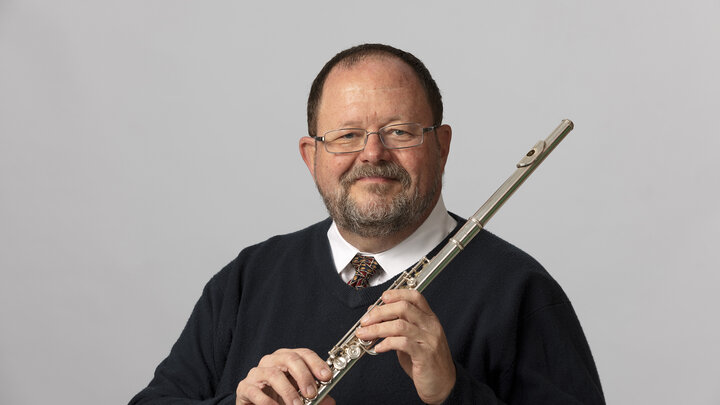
{"type": "Point", "coordinates": [144, 143]}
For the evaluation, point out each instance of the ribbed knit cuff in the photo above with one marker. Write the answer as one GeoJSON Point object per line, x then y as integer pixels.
{"type": "Point", "coordinates": [468, 391]}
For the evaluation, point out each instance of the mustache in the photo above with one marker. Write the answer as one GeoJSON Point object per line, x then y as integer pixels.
{"type": "Point", "coordinates": [388, 170]}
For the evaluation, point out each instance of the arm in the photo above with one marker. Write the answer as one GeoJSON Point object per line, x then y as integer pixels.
{"type": "Point", "coordinates": [189, 375]}
{"type": "Point", "coordinates": [410, 327]}
{"type": "Point", "coordinates": [278, 375]}
{"type": "Point", "coordinates": [554, 361]}
{"type": "Point", "coordinates": [552, 365]}
{"type": "Point", "coordinates": [191, 372]}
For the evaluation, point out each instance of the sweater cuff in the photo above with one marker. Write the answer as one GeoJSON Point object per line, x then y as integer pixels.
{"type": "Point", "coordinates": [469, 391]}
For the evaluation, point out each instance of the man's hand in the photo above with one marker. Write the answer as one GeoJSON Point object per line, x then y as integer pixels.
{"type": "Point", "coordinates": [278, 376]}
{"type": "Point", "coordinates": [411, 328]}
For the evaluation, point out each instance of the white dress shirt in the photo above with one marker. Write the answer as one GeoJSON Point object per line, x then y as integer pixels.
{"type": "Point", "coordinates": [394, 261]}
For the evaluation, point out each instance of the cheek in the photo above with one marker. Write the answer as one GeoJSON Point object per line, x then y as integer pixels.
{"type": "Point", "coordinates": [329, 170]}
{"type": "Point", "coordinates": [423, 172]}
{"type": "Point", "coordinates": [416, 168]}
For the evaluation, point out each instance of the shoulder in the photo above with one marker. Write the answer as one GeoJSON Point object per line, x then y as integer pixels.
{"type": "Point", "coordinates": [303, 239]}
{"type": "Point", "coordinates": [271, 255]}
{"type": "Point", "coordinates": [255, 268]}
{"type": "Point", "coordinates": [505, 268]}
{"type": "Point", "coordinates": [495, 252]}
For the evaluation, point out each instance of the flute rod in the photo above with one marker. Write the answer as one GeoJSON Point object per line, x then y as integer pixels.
{"type": "Point", "coordinates": [350, 349]}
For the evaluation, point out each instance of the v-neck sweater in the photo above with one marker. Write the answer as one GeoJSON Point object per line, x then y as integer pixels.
{"type": "Point", "coordinates": [511, 329]}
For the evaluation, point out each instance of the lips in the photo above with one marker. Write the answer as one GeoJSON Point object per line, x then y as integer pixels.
{"type": "Point", "coordinates": [384, 172]}
{"type": "Point", "coordinates": [376, 178]}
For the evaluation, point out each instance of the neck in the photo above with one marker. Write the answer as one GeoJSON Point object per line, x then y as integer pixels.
{"type": "Point", "coordinates": [375, 244]}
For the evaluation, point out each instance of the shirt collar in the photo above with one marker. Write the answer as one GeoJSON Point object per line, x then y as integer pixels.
{"type": "Point", "coordinates": [394, 261]}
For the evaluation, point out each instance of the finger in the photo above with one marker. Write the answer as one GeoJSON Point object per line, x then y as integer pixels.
{"type": "Point", "coordinates": [275, 379]}
{"type": "Point", "coordinates": [248, 393]}
{"type": "Point", "coordinates": [303, 365]}
{"type": "Point", "coordinates": [396, 327]}
{"type": "Point", "coordinates": [400, 309]}
{"type": "Point", "coordinates": [432, 370]}
{"type": "Point", "coordinates": [283, 357]}
{"type": "Point", "coordinates": [319, 367]}
{"type": "Point", "coordinates": [403, 344]}
{"type": "Point", "coordinates": [300, 368]}
{"type": "Point", "coordinates": [290, 362]}
{"type": "Point", "coordinates": [318, 370]}
{"type": "Point", "coordinates": [412, 296]}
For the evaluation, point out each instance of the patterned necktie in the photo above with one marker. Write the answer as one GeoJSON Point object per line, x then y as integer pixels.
{"type": "Point", "coordinates": [365, 267]}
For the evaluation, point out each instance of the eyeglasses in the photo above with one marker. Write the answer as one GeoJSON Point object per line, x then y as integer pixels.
{"type": "Point", "coordinates": [396, 136]}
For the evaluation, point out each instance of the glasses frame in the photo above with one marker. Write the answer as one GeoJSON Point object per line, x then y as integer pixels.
{"type": "Point", "coordinates": [368, 133]}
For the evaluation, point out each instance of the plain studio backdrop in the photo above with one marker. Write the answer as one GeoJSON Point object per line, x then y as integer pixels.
{"type": "Point", "coordinates": [143, 144]}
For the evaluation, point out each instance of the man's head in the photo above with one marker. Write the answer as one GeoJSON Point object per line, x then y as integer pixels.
{"type": "Point", "coordinates": [376, 192]}
{"type": "Point", "coordinates": [351, 56]}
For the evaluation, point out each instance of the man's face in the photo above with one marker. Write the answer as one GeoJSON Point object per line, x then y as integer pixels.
{"type": "Point", "coordinates": [377, 191]}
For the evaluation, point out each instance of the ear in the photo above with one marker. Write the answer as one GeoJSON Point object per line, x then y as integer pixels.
{"type": "Point", "coordinates": [308, 147]}
{"type": "Point", "coordinates": [444, 136]}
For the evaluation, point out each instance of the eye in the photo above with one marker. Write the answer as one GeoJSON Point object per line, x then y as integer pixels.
{"type": "Point", "coordinates": [401, 133]}
{"type": "Point", "coordinates": [345, 136]}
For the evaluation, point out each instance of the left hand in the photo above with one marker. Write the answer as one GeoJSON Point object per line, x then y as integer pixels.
{"type": "Point", "coordinates": [411, 328]}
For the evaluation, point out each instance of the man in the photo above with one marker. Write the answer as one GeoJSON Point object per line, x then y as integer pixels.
{"type": "Point", "coordinates": [492, 328]}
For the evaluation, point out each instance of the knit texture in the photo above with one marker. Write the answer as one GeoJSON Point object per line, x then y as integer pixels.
{"type": "Point", "coordinates": [512, 331]}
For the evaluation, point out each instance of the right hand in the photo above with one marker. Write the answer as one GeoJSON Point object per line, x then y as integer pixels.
{"type": "Point", "coordinates": [278, 376]}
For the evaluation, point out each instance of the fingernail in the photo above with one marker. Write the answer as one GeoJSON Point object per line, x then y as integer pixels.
{"type": "Point", "coordinates": [364, 319]}
{"type": "Point", "coordinates": [325, 373]}
{"type": "Point", "coordinates": [297, 401]}
{"type": "Point", "coordinates": [310, 391]}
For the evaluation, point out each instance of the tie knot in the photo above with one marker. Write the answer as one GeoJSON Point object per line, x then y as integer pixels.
{"type": "Point", "coordinates": [365, 267]}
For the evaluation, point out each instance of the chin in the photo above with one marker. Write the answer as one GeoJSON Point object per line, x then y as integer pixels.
{"type": "Point", "coordinates": [369, 202]}
{"type": "Point", "coordinates": [375, 191]}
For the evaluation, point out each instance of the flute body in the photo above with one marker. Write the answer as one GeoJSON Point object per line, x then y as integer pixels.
{"type": "Point", "coordinates": [350, 349]}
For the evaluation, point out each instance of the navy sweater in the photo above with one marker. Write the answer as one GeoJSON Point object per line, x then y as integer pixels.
{"type": "Point", "coordinates": [512, 331]}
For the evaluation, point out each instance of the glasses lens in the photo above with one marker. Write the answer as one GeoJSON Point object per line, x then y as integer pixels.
{"type": "Point", "coordinates": [402, 135]}
{"type": "Point", "coordinates": [397, 136]}
{"type": "Point", "coordinates": [345, 140]}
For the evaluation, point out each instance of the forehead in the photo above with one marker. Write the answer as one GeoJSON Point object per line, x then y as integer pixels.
{"type": "Point", "coordinates": [375, 87]}
{"type": "Point", "coordinates": [374, 71]}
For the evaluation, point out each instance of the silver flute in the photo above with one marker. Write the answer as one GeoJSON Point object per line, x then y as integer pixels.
{"type": "Point", "coordinates": [350, 349]}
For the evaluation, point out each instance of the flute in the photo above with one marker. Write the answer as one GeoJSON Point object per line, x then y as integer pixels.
{"type": "Point", "coordinates": [350, 348]}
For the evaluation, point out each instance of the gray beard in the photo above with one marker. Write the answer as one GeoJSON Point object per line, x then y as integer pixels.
{"type": "Point", "coordinates": [378, 220]}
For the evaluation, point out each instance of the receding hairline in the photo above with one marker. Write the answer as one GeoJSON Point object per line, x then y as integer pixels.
{"type": "Point", "coordinates": [397, 65]}
{"type": "Point", "coordinates": [376, 54]}
{"type": "Point", "coordinates": [353, 61]}
{"type": "Point", "coordinates": [352, 56]}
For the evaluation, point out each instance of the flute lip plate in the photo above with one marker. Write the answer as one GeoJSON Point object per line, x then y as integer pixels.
{"type": "Point", "coordinates": [532, 155]}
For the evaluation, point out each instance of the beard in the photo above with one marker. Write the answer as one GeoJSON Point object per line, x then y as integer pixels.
{"type": "Point", "coordinates": [378, 218]}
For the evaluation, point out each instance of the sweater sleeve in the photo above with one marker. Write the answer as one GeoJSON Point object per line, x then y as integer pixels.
{"type": "Point", "coordinates": [468, 391]}
{"type": "Point", "coordinates": [190, 373]}
{"type": "Point", "coordinates": [553, 365]}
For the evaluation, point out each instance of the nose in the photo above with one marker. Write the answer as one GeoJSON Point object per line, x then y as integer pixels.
{"type": "Point", "coordinates": [374, 149]}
